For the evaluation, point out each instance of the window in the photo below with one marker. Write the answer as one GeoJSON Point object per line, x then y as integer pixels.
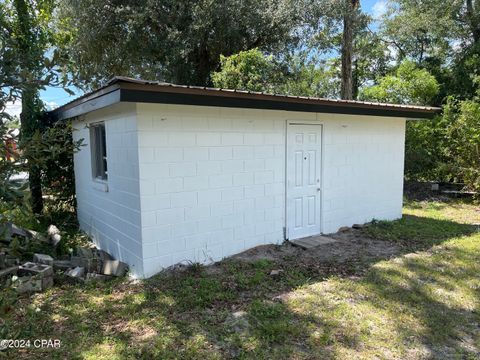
{"type": "Point", "coordinates": [99, 151]}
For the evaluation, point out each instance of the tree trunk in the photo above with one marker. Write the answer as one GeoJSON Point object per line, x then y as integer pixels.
{"type": "Point", "coordinates": [29, 91]}
{"type": "Point", "coordinates": [28, 122]}
{"type": "Point", "coordinates": [355, 80]}
{"type": "Point", "coordinates": [474, 21]}
{"type": "Point", "coordinates": [347, 49]}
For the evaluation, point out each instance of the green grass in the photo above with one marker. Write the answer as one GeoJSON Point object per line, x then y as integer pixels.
{"type": "Point", "coordinates": [424, 303]}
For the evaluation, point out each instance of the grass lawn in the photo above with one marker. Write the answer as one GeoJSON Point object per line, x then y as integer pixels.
{"type": "Point", "coordinates": [422, 303]}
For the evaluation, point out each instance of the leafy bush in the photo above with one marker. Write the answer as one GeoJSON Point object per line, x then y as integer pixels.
{"type": "Point", "coordinates": [12, 192]}
{"type": "Point", "coordinates": [292, 75]}
{"type": "Point", "coordinates": [408, 85]}
{"type": "Point", "coordinates": [446, 148]}
{"type": "Point", "coordinates": [247, 70]}
{"type": "Point", "coordinates": [52, 148]}
{"type": "Point", "coordinates": [425, 156]}
{"type": "Point", "coordinates": [463, 134]}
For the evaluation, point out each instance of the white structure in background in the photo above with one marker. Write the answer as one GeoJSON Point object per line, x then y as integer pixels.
{"type": "Point", "coordinates": [175, 173]}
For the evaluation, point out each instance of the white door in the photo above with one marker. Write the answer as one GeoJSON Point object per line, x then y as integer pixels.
{"type": "Point", "coordinates": [304, 144]}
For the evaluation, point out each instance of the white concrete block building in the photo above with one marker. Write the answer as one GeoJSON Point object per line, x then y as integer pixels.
{"type": "Point", "coordinates": [175, 174]}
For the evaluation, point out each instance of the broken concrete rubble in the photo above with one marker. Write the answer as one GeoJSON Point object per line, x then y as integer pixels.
{"type": "Point", "coordinates": [37, 236]}
{"type": "Point", "coordinates": [8, 271]}
{"type": "Point", "coordinates": [54, 235]}
{"type": "Point", "coordinates": [62, 265]}
{"type": "Point", "coordinates": [275, 272]}
{"type": "Point", "coordinates": [77, 272]}
{"type": "Point", "coordinates": [114, 267]}
{"type": "Point", "coordinates": [47, 282]}
{"type": "Point", "coordinates": [88, 264]}
{"type": "Point", "coordinates": [11, 260]}
{"type": "Point", "coordinates": [40, 270]}
{"type": "Point", "coordinates": [27, 284]}
{"type": "Point", "coordinates": [43, 259]}
{"type": "Point", "coordinates": [91, 259]}
{"type": "Point", "coordinates": [96, 264]}
{"type": "Point", "coordinates": [8, 230]}
{"type": "Point", "coordinates": [33, 277]}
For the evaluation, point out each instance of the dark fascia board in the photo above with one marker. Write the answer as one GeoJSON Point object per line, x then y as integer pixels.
{"type": "Point", "coordinates": [140, 96]}
{"type": "Point", "coordinates": [124, 91]}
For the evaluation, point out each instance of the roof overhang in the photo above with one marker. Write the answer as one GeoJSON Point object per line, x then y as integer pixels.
{"type": "Point", "coordinates": [121, 89]}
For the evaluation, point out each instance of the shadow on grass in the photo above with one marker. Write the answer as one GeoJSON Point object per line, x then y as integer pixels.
{"type": "Point", "coordinates": [422, 305]}
{"type": "Point", "coordinates": [418, 233]}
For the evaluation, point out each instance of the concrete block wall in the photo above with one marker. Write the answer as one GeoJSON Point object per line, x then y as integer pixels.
{"type": "Point", "coordinates": [212, 181]}
{"type": "Point", "coordinates": [196, 184]}
{"type": "Point", "coordinates": [110, 211]}
{"type": "Point", "coordinates": [363, 165]}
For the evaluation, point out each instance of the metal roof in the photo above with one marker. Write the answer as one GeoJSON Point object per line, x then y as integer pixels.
{"type": "Point", "coordinates": [125, 89]}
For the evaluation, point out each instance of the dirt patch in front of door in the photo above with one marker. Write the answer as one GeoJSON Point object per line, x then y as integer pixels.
{"type": "Point", "coordinates": [353, 247]}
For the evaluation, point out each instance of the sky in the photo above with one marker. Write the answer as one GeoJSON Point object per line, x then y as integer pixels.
{"type": "Point", "coordinates": [54, 97]}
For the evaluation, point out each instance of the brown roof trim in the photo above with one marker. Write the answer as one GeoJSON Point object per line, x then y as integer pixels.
{"type": "Point", "coordinates": [121, 89]}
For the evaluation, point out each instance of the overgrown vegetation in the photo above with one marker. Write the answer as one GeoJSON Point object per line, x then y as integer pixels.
{"type": "Point", "coordinates": [414, 53]}
{"type": "Point", "coordinates": [421, 304]}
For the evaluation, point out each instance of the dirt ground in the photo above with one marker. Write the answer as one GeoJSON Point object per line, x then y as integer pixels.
{"type": "Point", "coordinates": [350, 247]}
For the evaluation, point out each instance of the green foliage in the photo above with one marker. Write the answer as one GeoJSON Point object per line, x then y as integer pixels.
{"type": "Point", "coordinates": [10, 191]}
{"type": "Point", "coordinates": [29, 62]}
{"type": "Point", "coordinates": [448, 147]}
{"type": "Point", "coordinates": [442, 36]}
{"type": "Point", "coordinates": [171, 40]}
{"type": "Point", "coordinates": [253, 70]}
{"type": "Point", "coordinates": [52, 149]}
{"type": "Point", "coordinates": [27, 25]}
{"type": "Point", "coordinates": [424, 139]}
{"type": "Point", "coordinates": [424, 150]}
{"type": "Point", "coordinates": [310, 78]}
{"type": "Point", "coordinates": [248, 70]}
{"type": "Point", "coordinates": [463, 133]}
{"type": "Point", "coordinates": [408, 85]}
{"type": "Point", "coordinates": [420, 30]}
{"type": "Point", "coordinates": [465, 73]}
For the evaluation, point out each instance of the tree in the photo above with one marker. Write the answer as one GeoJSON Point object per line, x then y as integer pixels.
{"type": "Point", "coordinates": [424, 142]}
{"type": "Point", "coordinates": [308, 76]}
{"type": "Point", "coordinates": [442, 36]}
{"type": "Point", "coordinates": [32, 46]}
{"type": "Point", "coordinates": [417, 30]}
{"type": "Point", "coordinates": [339, 26]}
{"type": "Point", "coordinates": [349, 17]}
{"type": "Point", "coordinates": [28, 64]}
{"type": "Point", "coordinates": [408, 85]}
{"type": "Point", "coordinates": [463, 132]}
{"type": "Point", "coordinates": [472, 16]}
{"type": "Point", "coordinates": [255, 71]}
{"type": "Point", "coordinates": [171, 40]}
{"type": "Point", "coordinates": [248, 70]}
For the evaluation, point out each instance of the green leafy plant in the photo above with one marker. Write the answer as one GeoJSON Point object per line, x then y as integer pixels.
{"type": "Point", "coordinates": [407, 85]}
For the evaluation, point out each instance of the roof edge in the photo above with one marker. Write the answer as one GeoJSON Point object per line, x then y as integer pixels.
{"type": "Point", "coordinates": [135, 90]}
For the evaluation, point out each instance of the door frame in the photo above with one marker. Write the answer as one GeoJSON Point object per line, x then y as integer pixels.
{"type": "Point", "coordinates": [288, 127]}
